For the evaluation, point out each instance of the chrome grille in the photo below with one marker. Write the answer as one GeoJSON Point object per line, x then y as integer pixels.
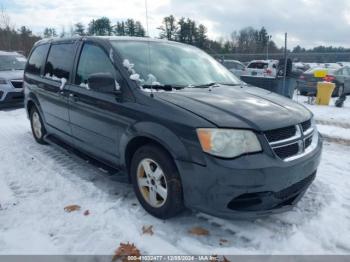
{"type": "Point", "coordinates": [280, 133]}
{"type": "Point", "coordinates": [289, 142]}
{"type": "Point", "coordinates": [308, 142]}
{"type": "Point", "coordinates": [306, 125]}
{"type": "Point", "coordinates": [284, 152]}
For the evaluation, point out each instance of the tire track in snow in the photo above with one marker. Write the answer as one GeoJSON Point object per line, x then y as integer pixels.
{"type": "Point", "coordinates": [45, 170]}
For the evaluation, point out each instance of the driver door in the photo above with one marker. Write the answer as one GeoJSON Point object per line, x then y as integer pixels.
{"type": "Point", "coordinates": [95, 116]}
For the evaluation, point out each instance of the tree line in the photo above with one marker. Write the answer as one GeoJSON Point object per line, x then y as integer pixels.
{"type": "Point", "coordinates": [248, 40]}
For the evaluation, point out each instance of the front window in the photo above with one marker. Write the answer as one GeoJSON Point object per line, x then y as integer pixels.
{"type": "Point", "coordinates": [173, 64]}
{"type": "Point", "coordinates": [12, 62]}
{"type": "Point", "coordinates": [92, 60]}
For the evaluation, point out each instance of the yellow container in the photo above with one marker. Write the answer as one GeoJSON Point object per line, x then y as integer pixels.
{"type": "Point", "coordinates": [324, 93]}
{"type": "Point", "coordinates": [320, 73]}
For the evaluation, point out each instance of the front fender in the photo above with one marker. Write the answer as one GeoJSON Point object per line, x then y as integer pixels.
{"type": "Point", "coordinates": [164, 136]}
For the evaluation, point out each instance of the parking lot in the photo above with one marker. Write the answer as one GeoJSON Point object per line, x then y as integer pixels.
{"type": "Point", "coordinates": [37, 182]}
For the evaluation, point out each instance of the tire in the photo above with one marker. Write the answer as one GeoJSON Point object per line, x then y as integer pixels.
{"type": "Point", "coordinates": [161, 176]}
{"type": "Point", "coordinates": [38, 128]}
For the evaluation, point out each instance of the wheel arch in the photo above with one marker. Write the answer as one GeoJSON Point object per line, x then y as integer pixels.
{"type": "Point", "coordinates": [153, 133]}
{"type": "Point", "coordinates": [31, 101]}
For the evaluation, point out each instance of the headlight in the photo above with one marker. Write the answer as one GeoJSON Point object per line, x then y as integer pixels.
{"type": "Point", "coordinates": [3, 81]}
{"type": "Point", "coordinates": [228, 143]}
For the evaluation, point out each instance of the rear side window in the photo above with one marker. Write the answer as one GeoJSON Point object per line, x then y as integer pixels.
{"type": "Point", "coordinates": [93, 60]}
{"type": "Point", "coordinates": [37, 59]}
{"type": "Point", "coordinates": [59, 62]}
{"type": "Point", "coordinates": [258, 65]}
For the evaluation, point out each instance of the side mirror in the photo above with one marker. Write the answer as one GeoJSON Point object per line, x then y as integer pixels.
{"type": "Point", "coordinates": [104, 83]}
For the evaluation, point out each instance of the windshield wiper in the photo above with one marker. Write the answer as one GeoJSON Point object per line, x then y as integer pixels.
{"type": "Point", "coordinates": [204, 85]}
{"type": "Point", "coordinates": [214, 84]}
{"type": "Point", "coordinates": [163, 87]}
{"type": "Point", "coordinates": [230, 84]}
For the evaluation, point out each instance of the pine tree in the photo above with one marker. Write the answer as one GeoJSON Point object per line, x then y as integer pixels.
{"type": "Point", "coordinates": [50, 32]}
{"type": "Point", "coordinates": [120, 29]}
{"type": "Point", "coordinates": [79, 29]}
{"type": "Point", "coordinates": [168, 28]}
{"type": "Point", "coordinates": [201, 36]}
{"type": "Point", "coordinates": [130, 27]}
{"type": "Point", "coordinates": [101, 26]}
{"type": "Point", "coordinates": [139, 30]}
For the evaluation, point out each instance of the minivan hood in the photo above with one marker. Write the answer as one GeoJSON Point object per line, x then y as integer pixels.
{"type": "Point", "coordinates": [11, 74]}
{"type": "Point", "coordinates": [239, 107]}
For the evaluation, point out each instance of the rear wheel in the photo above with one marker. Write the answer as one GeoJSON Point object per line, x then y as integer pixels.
{"type": "Point", "coordinates": [37, 125]}
{"type": "Point", "coordinates": [156, 182]}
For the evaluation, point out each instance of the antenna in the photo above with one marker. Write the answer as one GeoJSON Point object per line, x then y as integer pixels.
{"type": "Point", "coordinates": [148, 44]}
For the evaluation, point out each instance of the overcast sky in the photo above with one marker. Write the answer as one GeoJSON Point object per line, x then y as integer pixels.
{"type": "Point", "coordinates": [308, 22]}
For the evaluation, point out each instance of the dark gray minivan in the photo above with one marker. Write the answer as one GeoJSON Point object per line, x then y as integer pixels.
{"type": "Point", "coordinates": [179, 125]}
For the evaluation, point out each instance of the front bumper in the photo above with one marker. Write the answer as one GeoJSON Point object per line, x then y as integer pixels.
{"type": "Point", "coordinates": [11, 96]}
{"type": "Point", "coordinates": [247, 187]}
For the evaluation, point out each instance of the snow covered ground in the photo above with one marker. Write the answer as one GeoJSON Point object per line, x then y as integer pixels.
{"type": "Point", "coordinates": [37, 182]}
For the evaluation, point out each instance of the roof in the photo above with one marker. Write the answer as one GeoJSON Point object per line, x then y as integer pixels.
{"type": "Point", "coordinates": [107, 38]}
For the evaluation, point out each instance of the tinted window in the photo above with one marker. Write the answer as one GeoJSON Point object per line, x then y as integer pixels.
{"type": "Point", "coordinates": [257, 65]}
{"type": "Point", "coordinates": [59, 61]}
{"type": "Point", "coordinates": [37, 59]}
{"type": "Point", "coordinates": [93, 60]}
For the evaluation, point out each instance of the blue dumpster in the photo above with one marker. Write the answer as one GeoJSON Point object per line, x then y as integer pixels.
{"type": "Point", "coordinates": [272, 84]}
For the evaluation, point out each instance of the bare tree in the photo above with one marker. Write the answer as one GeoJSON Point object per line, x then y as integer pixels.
{"type": "Point", "coordinates": [5, 21]}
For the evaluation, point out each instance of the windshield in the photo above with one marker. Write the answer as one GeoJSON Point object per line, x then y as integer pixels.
{"type": "Point", "coordinates": [12, 62]}
{"type": "Point", "coordinates": [173, 64]}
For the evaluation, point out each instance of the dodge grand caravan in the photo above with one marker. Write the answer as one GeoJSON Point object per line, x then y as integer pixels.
{"type": "Point", "coordinates": [179, 126]}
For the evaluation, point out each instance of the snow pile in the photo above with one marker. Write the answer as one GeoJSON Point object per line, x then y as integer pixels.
{"type": "Point", "coordinates": [63, 83]}
{"type": "Point", "coordinates": [327, 112]}
{"type": "Point", "coordinates": [130, 67]}
{"type": "Point", "coordinates": [151, 79]}
{"type": "Point", "coordinates": [55, 78]}
{"type": "Point", "coordinates": [85, 85]}
{"type": "Point", "coordinates": [332, 122]}
{"type": "Point", "coordinates": [111, 57]}
{"type": "Point", "coordinates": [135, 77]}
{"type": "Point", "coordinates": [334, 131]}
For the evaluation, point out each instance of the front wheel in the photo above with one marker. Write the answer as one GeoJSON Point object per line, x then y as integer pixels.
{"type": "Point", "coordinates": [37, 125]}
{"type": "Point", "coordinates": [156, 182]}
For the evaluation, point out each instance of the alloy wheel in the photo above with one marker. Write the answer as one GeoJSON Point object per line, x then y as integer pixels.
{"type": "Point", "coordinates": [37, 125]}
{"type": "Point", "coordinates": [152, 183]}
